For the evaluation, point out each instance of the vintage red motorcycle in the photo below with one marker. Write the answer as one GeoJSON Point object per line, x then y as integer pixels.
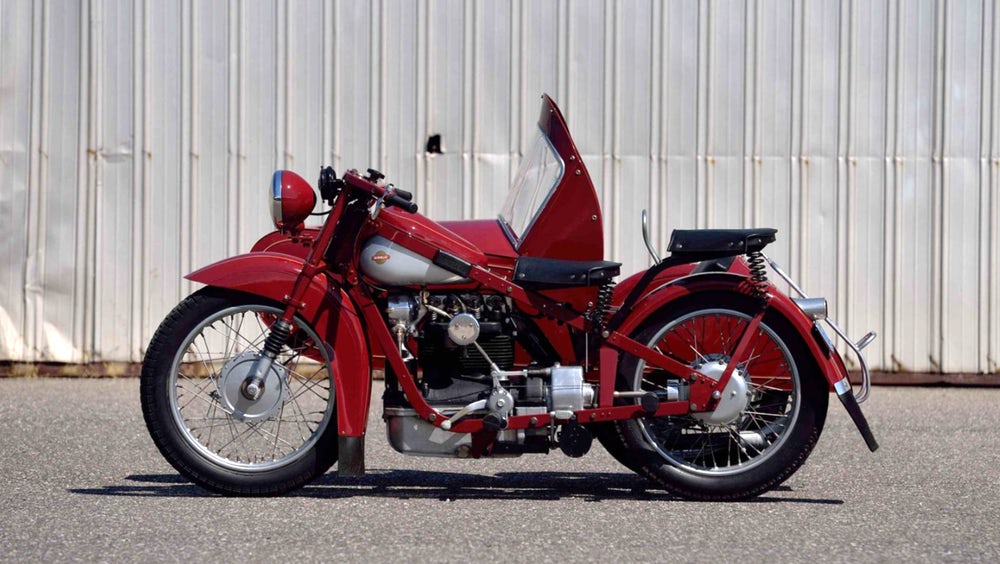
{"type": "Point", "coordinates": [497, 338]}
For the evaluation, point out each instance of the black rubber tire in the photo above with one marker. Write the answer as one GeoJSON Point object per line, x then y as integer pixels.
{"type": "Point", "coordinates": [607, 434]}
{"type": "Point", "coordinates": [767, 473]}
{"type": "Point", "coordinates": [155, 395]}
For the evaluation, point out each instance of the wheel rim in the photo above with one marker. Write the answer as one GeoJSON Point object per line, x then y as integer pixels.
{"type": "Point", "coordinates": [290, 416]}
{"type": "Point", "coordinates": [705, 340]}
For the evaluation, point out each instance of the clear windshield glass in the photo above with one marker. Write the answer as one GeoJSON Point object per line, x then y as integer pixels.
{"type": "Point", "coordinates": [539, 174]}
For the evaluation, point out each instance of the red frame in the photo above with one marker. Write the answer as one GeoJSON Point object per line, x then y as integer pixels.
{"type": "Point", "coordinates": [290, 267]}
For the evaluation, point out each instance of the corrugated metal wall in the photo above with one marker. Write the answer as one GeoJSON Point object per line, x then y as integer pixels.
{"type": "Point", "coordinates": [137, 139]}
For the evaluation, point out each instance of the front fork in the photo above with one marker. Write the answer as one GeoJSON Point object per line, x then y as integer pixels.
{"type": "Point", "coordinates": [253, 384]}
{"type": "Point", "coordinates": [280, 330]}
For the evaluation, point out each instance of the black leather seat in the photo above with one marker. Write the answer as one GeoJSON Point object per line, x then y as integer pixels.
{"type": "Point", "coordinates": [546, 272]}
{"type": "Point", "coordinates": [704, 244]}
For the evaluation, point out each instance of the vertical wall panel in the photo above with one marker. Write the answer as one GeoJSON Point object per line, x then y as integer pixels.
{"type": "Point", "coordinates": [210, 150]}
{"type": "Point", "coordinates": [17, 33]}
{"type": "Point", "coordinates": [679, 128]}
{"type": "Point", "coordinates": [773, 122]}
{"type": "Point", "coordinates": [163, 98]}
{"type": "Point", "coordinates": [866, 170]}
{"type": "Point", "coordinates": [137, 140]}
{"type": "Point", "coordinates": [632, 133]}
{"type": "Point", "coordinates": [59, 273]}
{"type": "Point", "coordinates": [491, 109]}
{"type": "Point", "coordinates": [961, 241]}
{"type": "Point", "coordinates": [404, 141]}
{"type": "Point", "coordinates": [113, 304]}
{"type": "Point", "coordinates": [991, 263]}
{"type": "Point", "coordinates": [917, 36]}
{"type": "Point", "coordinates": [446, 105]}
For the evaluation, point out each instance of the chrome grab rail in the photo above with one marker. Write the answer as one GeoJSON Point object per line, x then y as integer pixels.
{"type": "Point", "coordinates": [856, 347]}
{"type": "Point", "coordinates": [645, 238]}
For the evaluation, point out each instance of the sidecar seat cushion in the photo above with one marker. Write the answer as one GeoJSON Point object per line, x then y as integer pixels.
{"type": "Point", "coordinates": [546, 272]}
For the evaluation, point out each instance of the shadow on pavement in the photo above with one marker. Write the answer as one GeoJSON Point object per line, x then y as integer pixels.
{"type": "Point", "coordinates": [445, 486]}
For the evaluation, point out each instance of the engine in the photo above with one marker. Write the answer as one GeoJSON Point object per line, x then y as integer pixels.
{"type": "Point", "coordinates": [465, 346]}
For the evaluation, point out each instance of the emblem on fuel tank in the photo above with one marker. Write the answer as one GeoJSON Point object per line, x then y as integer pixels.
{"type": "Point", "coordinates": [380, 257]}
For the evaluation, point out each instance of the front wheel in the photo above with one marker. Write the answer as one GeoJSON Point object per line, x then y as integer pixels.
{"type": "Point", "coordinates": [771, 416]}
{"type": "Point", "coordinates": [201, 417]}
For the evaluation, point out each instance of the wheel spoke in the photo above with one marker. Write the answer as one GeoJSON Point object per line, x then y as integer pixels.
{"type": "Point", "coordinates": [706, 339]}
{"type": "Point", "coordinates": [262, 437]}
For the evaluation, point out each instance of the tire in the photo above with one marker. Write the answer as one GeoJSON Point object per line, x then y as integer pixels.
{"type": "Point", "coordinates": [202, 424]}
{"type": "Point", "coordinates": [607, 434]}
{"type": "Point", "coordinates": [774, 418]}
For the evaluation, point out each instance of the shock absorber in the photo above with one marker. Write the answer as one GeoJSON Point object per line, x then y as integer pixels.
{"type": "Point", "coordinates": [600, 316]}
{"type": "Point", "coordinates": [253, 385]}
{"type": "Point", "coordinates": [758, 275]}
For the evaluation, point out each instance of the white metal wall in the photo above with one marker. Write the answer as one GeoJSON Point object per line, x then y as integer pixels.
{"type": "Point", "coordinates": [137, 138]}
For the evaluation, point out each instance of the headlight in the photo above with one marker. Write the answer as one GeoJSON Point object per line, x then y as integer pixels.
{"type": "Point", "coordinates": [292, 200]}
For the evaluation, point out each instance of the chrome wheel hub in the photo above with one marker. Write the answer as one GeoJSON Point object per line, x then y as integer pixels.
{"type": "Point", "coordinates": [734, 398]}
{"type": "Point", "coordinates": [233, 394]}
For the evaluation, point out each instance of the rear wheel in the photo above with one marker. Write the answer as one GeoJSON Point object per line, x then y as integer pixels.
{"type": "Point", "coordinates": [200, 417]}
{"type": "Point", "coordinates": [770, 417]}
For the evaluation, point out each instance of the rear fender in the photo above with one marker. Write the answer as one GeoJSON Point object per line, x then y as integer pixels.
{"type": "Point", "coordinates": [326, 307]}
{"type": "Point", "coordinates": [827, 358]}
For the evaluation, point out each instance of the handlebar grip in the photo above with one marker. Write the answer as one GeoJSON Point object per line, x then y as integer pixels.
{"type": "Point", "coordinates": [401, 202]}
{"type": "Point", "coordinates": [408, 196]}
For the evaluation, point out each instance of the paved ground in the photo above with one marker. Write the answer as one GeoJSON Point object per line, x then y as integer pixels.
{"type": "Point", "coordinates": [80, 480]}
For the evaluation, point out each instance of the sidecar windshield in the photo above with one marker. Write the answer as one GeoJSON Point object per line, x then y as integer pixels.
{"type": "Point", "coordinates": [534, 183]}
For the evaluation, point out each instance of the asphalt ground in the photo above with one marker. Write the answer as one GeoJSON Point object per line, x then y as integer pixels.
{"type": "Point", "coordinates": [80, 480]}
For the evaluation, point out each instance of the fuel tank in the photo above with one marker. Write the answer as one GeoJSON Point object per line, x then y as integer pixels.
{"type": "Point", "coordinates": [395, 265]}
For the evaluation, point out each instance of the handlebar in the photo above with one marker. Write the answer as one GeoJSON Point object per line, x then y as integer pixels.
{"type": "Point", "coordinates": [400, 201]}
{"type": "Point", "coordinates": [390, 196]}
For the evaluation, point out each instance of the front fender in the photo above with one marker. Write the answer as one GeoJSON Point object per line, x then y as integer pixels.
{"type": "Point", "coordinates": [325, 306]}
{"type": "Point", "coordinates": [828, 359]}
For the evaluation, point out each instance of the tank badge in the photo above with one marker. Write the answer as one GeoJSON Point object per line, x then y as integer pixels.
{"type": "Point", "coordinates": [380, 257]}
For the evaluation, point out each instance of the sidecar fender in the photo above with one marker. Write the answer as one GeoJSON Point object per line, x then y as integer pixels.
{"type": "Point", "coordinates": [828, 360]}
{"type": "Point", "coordinates": [326, 307]}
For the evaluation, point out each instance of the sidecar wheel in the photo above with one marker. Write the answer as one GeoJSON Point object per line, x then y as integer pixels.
{"type": "Point", "coordinates": [201, 421]}
{"type": "Point", "coordinates": [771, 423]}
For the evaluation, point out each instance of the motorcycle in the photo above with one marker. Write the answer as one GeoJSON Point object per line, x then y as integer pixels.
{"type": "Point", "coordinates": [497, 338]}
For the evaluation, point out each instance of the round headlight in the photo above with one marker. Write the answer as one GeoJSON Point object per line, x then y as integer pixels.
{"type": "Point", "coordinates": [292, 200]}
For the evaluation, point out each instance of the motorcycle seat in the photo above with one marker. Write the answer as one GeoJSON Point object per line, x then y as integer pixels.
{"type": "Point", "coordinates": [703, 244]}
{"type": "Point", "coordinates": [547, 272]}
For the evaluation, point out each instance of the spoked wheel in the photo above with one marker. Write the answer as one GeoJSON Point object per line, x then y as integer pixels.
{"type": "Point", "coordinates": [202, 419]}
{"type": "Point", "coordinates": [769, 418]}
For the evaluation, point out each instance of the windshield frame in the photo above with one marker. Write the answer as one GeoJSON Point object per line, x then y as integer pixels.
{"type": "Point", "coordinates": [518, 190]}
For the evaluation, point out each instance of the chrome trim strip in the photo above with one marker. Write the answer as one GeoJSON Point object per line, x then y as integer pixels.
{"type": "Point", "coordinates": [275, 203]}
{"type": "Point", "coordinates": [843, 386]}
{"type": "Point", "coordinates": [276, 185]}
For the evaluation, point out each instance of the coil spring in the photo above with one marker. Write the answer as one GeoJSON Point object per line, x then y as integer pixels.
{"type": "Point", "coordinates": [758, 274]}
{"type": "Point", "coordinates": [600, 316]}
{"type": "Point", "coordinates": [277, 337]}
